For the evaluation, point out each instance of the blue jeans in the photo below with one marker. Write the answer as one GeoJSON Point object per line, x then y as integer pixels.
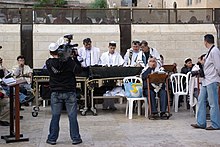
{"type": "Point", "coordinates": [163, 100]}
{"type": "Point", "coordinates": [209, 93]}
{"type": "Point", "coordinates": [57, 100]}
{"type": "Point", "coordinates": [21, 95]}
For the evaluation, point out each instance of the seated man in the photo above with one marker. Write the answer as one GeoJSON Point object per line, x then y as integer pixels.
{"type": "Point", "coordinates": [3, 73]}
{"type": "Point", "coordinates": [2, 104]}
{"type": "Point", "coordinates": [152, 64]}
{"type": "Point", "coordinates": [22, 71]}
{"type": "Point", "coordinates": [110, 58]}
{"type": "Point", "coordinates": [131, 55]}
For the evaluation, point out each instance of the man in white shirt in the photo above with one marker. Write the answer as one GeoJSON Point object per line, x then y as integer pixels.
{"type": "Point", "coordinates": [147, 52]}
{"type": "Point", "coordinates": [111, 57]}
{"type": "Point", "coordinates": [88, 54]}
{"type": "Point", "coordinates": [131, 55]}
{"type": "Point", "coordinates": [23, 71]}
{"type": "Point", "coordinates": [209, 88]}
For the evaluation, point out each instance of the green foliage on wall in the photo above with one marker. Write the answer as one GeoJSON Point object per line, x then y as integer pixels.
{"type": "Point", "coordinates": [53, 3]}
{"type": "Point", "coordinates": [99, 4]}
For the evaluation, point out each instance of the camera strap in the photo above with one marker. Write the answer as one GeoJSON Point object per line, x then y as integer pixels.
{"type": "Point", "coordinates": [55, 70]}
{"type": "Point", "coordinates": [210, 51]}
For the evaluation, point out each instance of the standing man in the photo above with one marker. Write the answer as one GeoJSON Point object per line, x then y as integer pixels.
{"type": "Point", "coordinates": [209, 88]}
{"type": "Point", "coordinates": [131, 55]}
{"type": "Point", "coordinates": [147, 52]}
{"type": "Point", "coordinates": [88, 55]}
{"type": "Point", "coordinates": [63, 87]}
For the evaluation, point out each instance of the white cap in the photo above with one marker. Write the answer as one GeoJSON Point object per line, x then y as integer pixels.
{"type": "Point", "coordinates": [53, 47]}
{"type": "Point", "coordinates": [112, 42]}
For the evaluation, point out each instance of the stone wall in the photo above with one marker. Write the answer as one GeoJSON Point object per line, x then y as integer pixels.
{"type": "Point", "coordinates": [100, 35]}
{"type": "Point", "coordinates": [10, 42]}
{"type": "Point", "coordinates": [174, 42]}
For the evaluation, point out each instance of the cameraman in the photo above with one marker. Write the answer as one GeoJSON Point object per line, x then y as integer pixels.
{"type": "Point", "coordinates": [63, 87]}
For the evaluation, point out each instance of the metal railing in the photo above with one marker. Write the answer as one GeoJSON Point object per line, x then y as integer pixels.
{"type": "Point", "coordinates": [109, 16]}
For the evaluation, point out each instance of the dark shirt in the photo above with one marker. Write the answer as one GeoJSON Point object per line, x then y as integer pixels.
{"type": "Point", "coordinates": [62, 74]}
{"type": "Point", "coordinates": [186, 69]}
{"type": "Point", "coordinates": [147, 54]}
{"type": "Point", "coordinates": [144, 77]}
{"type": "Point", "coordinates": [2, 73]}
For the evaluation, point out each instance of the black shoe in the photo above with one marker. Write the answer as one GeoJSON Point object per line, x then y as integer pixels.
{"type": "Point", "coordinates": [197, 126]}
{"type": "Point", "coordinates": [163, 115]}
{"type": "Point", "coordinates": [211, 128]}
{"type": "Point", "coordinates": [77, 142]}
{"type": "Point", "coordinates": [51, 142]}
{"type": "Point", "coordinates": [113, 108]}
{"type": "Point", "coordinates": [4, 123]}
{"type": "Point", "coordinates": [21, 117]}
{"type": "Point", "coordinates": [155, 115]}
{"type": "Point", "coordinates": [21, 109]}
{"type": "Point", "coordinates": [105, 109]}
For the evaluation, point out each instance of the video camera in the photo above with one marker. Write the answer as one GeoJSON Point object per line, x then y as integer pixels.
{"type": "Point", "coordinates": [67, 50]}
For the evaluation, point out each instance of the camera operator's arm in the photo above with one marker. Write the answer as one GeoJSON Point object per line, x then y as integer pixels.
{"type": "Point", "coordinates": [77, 65]}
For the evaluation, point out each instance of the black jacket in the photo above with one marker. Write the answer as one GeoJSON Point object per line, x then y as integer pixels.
{"type": "Point", "coordinates": [62, 74]}
{"type": "Point", "coordinates": [144, 77]}
{"type": "Point", "coordinates": [186, 69]}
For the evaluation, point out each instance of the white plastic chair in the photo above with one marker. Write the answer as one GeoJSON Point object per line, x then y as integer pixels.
{"type": "Point", "coordinates": [180, 86]}
{"type": "Point", "coordinates": [130, 100]}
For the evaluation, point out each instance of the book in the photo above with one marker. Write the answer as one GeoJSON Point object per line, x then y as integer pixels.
{"type": "Point", "coordinates": [9, 81]}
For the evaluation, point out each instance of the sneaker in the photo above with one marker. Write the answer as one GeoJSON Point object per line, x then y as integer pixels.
{"type": "Point", "coordinates": [211, 128]}
{"type": "Point", "coordinates": [77, 142]}
{"type": "Point", "coordinates": [51, 142]}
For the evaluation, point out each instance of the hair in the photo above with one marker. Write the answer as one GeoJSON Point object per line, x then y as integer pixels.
{"type": "Point", "coordinates": [87, 40]}
{"type": "Point", "coordinates": [112, 44]}
{"type": "Point", "coordinates": [144, 42]}
{"type": "Point", "coordinates": [161, 56]}
{"type": "Point", "coordinates": [20, 57]}
{"type": "Point", "coordinates": [54, 52]}
{"type": "Point", "coordinates": [202, 56]}
{"type": "Point", "coordinates": [136, 42]}
{"type": "Point", "coordinates": [209, 38]}
{"type": "Point", "coordinates": [187, 60]}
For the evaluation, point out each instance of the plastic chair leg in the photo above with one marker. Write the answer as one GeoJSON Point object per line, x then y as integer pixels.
{"type": "Point", "coordinates": [185, 101]}
{"type": "Point", "coordinates": [130, 109]}
{"type": "Point", "coordinates": [44, 103]}
{"type": "Point", "coordinates": [139, 107]}
{"type": "Point", "coordinates": [146, 108]}
{"type": "Point", "coordinates": [126, 111]}
{"type": "Point", "coordinates": [176, 102]}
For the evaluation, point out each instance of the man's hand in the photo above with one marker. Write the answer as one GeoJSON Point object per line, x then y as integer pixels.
{"type": "Point", "coordinates": [152, 63]}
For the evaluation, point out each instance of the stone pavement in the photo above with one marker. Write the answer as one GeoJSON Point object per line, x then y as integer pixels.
{"type": "Point", "coordinates": [113, 129]}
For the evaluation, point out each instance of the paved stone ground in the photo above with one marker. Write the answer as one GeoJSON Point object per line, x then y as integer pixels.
{"type": "Point", "coordinates": [113, 129]}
